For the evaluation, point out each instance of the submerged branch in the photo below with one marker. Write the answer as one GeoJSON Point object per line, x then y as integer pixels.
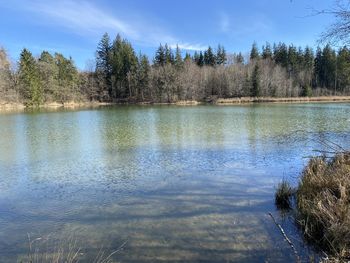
{"type": "Point", "coordinates": [287, 239]}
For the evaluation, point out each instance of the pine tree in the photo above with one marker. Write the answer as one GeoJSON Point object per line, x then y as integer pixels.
{"type": "Point", "coordinates": [239, 59]}
{"type": "Point", "coordinates": [48, 75]}
{"type": "Point", "coordinates": [343, 68]}
{"type": "Point", "coordinates": [201, 61]}
{"type": "Point", "coordinates": [329, 67]}
{"type": "Point", "coordinates": [280, 54]}
{"type": "Point", "coordinates": [178, 58]}
{"type": "Point", "coordinates": [308, 59]}
{"type": "Point", "coordinates": [292, 60]}
{"type": "Point", "coordinates": [160, 58]}
{"type": "Point", "coordinates": [103, 63]}
{"type": "Point", "coordinates": [124, 61]}
{"type": "Point", "coordinates": [67, 78]}
{"type": "Point", "coordinates": [255, 88]}
{"type": "Point", "coordinates": [266, 51]}
{"type": "Point", "coordinates": [169, 56]}
{"type": "Point", "coordinates": [221, 55]}
{"type": "Point", "coordinates": [143, 75]}
{"type": "Point", "coordinates": [318, 69]}
{"type": "Point", "coordinates": [209, 57]}
{"type": "Point", "coordinates": [254, 53]}
{"type": "Point", "coordinates": [29, 79]}
{"type": "Point", "coordinates": [300, 60]}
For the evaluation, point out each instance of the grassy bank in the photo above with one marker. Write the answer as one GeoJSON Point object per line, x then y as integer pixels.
{"type": "Point", "coordinates": [322, 207]}
{"type": "Point", "coordinates": [17, 106]}
{"type": "Point", "coordinates": [281, 100]}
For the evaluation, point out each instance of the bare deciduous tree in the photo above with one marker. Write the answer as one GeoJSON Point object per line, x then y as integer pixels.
{"type": "Point", "coordinates": [339, 31]}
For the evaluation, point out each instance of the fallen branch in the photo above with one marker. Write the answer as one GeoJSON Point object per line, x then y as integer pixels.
{"type": "Point", "coordinates": [287, 239]}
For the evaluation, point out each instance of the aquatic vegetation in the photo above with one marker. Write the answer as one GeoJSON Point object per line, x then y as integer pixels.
{"type": "Point", "coordinates": [283, 195]}
{"type": "Point", "coordinates": [49, 250]}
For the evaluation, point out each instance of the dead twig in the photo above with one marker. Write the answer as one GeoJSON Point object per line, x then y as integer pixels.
{"type": "Point", "coordinates": [287, 239]}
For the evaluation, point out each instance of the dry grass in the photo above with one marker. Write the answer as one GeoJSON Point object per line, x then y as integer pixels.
{"type": "Point", "coordinates": [228, 101]}
{"type": "Point", "coordinates": [48, 250]}
{"type": "Point", "coordinates": [283, 195]}
{"type": "Point", "coordinates": [323, 204]}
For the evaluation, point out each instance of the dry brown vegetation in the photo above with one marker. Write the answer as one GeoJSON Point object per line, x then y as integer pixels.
{"type": "Point", "coordinates": [323, 203]}
{"type": "Point", "coordinates": [221, 101]}
{"type": "Point", "coordinates": [51, 250]}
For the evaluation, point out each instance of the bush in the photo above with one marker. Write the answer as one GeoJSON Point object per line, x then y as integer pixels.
{"type": "Point", "coordinates": [306, 91]}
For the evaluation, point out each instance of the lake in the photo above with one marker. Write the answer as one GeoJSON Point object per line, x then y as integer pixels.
{"type": "Point", "coordinates": [162, 183]}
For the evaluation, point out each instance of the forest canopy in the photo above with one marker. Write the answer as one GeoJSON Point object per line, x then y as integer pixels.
{"type": "Point", "coordinates": [122, 75]}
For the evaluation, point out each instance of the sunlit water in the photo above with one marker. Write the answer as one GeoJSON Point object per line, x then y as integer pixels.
{"type": "Point", "coordinates": [170, 183]}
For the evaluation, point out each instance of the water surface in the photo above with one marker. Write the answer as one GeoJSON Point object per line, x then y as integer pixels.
{"type": "Point", "coordinates": [177, 184]}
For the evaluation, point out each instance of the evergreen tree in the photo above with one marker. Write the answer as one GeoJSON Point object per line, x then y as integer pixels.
{"type": "Point", "coordinates": [178, 58]}
{"type": "Point", "coordinates": [103, 60]}
{"type": "Point", "coordinates": [255, 88]}
{"type": "Point", "coordinates": [329, 67]}
{"type": "Point", "coordinates": [29, 79]}
{"type": "Point", "coordinates": [318, 69]}
{"type": "Point", "coordinates": [266, 51]}
{"type": "Point", "coordinates": [300, 60]}
{"type": "Point", "coordinates": [196, 57]}
{"type": "Point", "coordinates": [48, 75]}
{"type": "Point", "coordinates": [67, 78]}
{"type": "Point", "coordinates": [280, 54]}
{"type": "Point", "coordinates": [160, 58]}
{"type": "Point", "coordinates": [239, 59]}
{"type": "Point", "coordinates": [169, 56]}
{"type": "Point", "coordinates": [201, 61]}
{"type": "Point", "coordinates": [187, 57]}
{"type": "Point", "coordinates": [143, 70]}
{"type": "Point", "coordinates": [292, 60]}
{"type": "Point", "coordinates": [308, 59]}
{"type": "Point", "coordinates": [124, 61]}
{"type": "Point", "coordinates": [306, 91]}
{"type": "Point", "coordinates": [254, 53]}
{"type": "Point", "coordinates": [221, 56]}
{"type": "Point", "coordinates": [343, 69]}
{"type": "Point", "coordinates": [209, 57]}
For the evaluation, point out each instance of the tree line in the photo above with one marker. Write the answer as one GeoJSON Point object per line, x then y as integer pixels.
{"type": "Point", "coordinates": [121, 75]}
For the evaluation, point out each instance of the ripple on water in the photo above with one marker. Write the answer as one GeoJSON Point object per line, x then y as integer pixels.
{"type": "Point", "coordinates": [181, 184]}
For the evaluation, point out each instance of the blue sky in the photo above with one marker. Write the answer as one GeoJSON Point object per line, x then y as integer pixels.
{"type": "Point", "coordinates": [74, 27]}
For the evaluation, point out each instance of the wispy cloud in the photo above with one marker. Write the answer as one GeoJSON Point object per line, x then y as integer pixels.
{"type": "Point", "coordinates": [80, 17]}
{"type": "Point", "coordinates": [242, 26]}
{"type": "Point", "coordinates": [84, 18]}
{"type": "Point", "coordinates": [224, 23]}
{"type": "Point", "coordinates": [187, 46]}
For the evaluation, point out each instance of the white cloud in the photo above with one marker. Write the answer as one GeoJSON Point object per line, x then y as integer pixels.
{"type": "Point", "coordinates": [83, 18]}
{"type": "Point", "coordinates": [187, 46]}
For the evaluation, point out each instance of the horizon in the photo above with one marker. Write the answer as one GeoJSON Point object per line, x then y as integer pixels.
{"type": "Point", "coordinates": [74, 28]}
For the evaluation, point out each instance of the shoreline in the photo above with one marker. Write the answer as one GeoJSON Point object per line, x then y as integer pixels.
{"type": "Point", "coordinates": [16, 106]}
{"type": "Point", "coordinates": [243, 100]}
